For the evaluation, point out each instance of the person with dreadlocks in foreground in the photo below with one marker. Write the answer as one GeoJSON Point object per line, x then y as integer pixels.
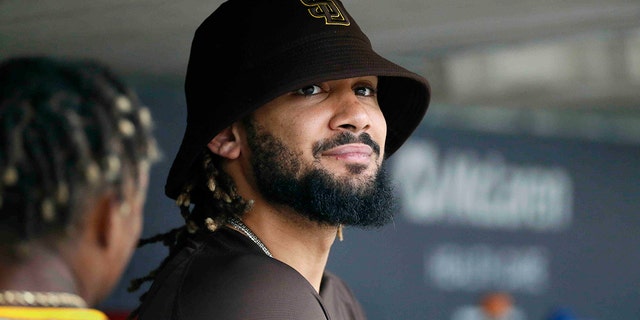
{"type": "Point", "coordinates": [290, 116]}
{"type": "Point", "coordinates": [75, 150]}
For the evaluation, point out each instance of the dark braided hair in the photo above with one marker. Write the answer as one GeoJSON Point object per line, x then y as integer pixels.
{"type": "Point", "coordinates": [68, 129]}
{"type": "Point", "coordinates": [207, 200]}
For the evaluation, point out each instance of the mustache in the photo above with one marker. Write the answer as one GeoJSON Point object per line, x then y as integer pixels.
{"type": "Point", "coordinates": [342, 139]}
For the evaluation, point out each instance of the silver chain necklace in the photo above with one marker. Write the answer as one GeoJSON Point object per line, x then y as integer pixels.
{"type": "Point", "coordinates": [237, 223]}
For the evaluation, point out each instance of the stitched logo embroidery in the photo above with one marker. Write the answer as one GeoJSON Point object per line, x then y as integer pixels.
{"type": "Point", "coordinates": [329, 10]}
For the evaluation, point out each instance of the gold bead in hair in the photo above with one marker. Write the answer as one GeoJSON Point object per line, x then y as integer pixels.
{"type": "Point", "coordinates": [211, 225]}
{"type": "Point", "coordinates": [145, 117]}
{"type": "Point", "coordinates": [211, 184]}
{"type": "Point", "coordinates": [126, 127]}
{"type": "Point", "coordinates": [10, 176]}
{"type": "Point", "coordinates": [183, 200]}
{"type": "Point", "coordinates": [92, 172]}
{"type": "Point", "coordinates": [123, 104]}
{"type": "Point", "coordinates": [48, 210]}
{"type": "Point", "coordinates": [113, 167]}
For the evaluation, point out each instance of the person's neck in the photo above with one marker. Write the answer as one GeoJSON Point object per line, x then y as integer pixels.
{"type": "Point", "coordinates": [293, 239]}
{"type": "Point", "coordinates": [40, 271]}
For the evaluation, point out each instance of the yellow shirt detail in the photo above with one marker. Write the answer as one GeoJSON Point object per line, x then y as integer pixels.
{"type": "Point", "coordinates": [36, 313]}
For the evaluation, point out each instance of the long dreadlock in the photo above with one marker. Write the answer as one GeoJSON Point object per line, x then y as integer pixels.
{"type": "Point", "coordinates": [207, 200]}
{"type": "Point", "coordinates": [67, 129]}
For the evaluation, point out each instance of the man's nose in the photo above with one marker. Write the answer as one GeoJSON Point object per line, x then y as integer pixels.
{"type": "Point", "coordinates": [351, 114]}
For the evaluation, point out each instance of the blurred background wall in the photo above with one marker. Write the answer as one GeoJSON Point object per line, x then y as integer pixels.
{"type": "Point", "coordinates": [519, 192]}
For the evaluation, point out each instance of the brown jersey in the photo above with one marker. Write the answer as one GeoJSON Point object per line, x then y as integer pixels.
{"type": "Point", "coordinates": [225, 276]}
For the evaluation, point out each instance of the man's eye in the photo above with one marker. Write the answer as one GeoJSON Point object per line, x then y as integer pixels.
{"type": "Point", "coordinates": [309, 90]}
{"type": "Point", "coordinates": [365, 91]}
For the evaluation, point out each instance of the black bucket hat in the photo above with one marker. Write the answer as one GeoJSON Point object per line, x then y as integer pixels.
{"type": "Point", "coordinates": [248, 52]}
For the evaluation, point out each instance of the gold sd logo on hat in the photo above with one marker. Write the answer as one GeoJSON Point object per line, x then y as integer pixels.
{"type": "Point", "coordinates": [329, 10]}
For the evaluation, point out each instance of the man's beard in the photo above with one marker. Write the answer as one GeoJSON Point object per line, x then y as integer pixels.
{"type": "Point", "coordinates": [316, 193]}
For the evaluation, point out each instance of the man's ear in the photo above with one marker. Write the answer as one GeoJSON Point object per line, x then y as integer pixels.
{"type": "Point", "coordinates": [101, 220]}
{"type": "Point", "coordinates": [226, 143]}
{"type": "Point", "coordinates": [108, 216]}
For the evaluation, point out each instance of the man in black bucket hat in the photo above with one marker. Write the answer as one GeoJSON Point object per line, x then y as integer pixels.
{"type": "Point", "coordinates": [290, 116]}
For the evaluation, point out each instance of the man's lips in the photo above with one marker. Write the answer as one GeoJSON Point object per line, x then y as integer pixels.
{"type": "Point", "coordinates": [350, 152]}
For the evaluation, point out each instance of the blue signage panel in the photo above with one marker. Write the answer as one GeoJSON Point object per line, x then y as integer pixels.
{"type": "Point", "coordinates": [520, 225]}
